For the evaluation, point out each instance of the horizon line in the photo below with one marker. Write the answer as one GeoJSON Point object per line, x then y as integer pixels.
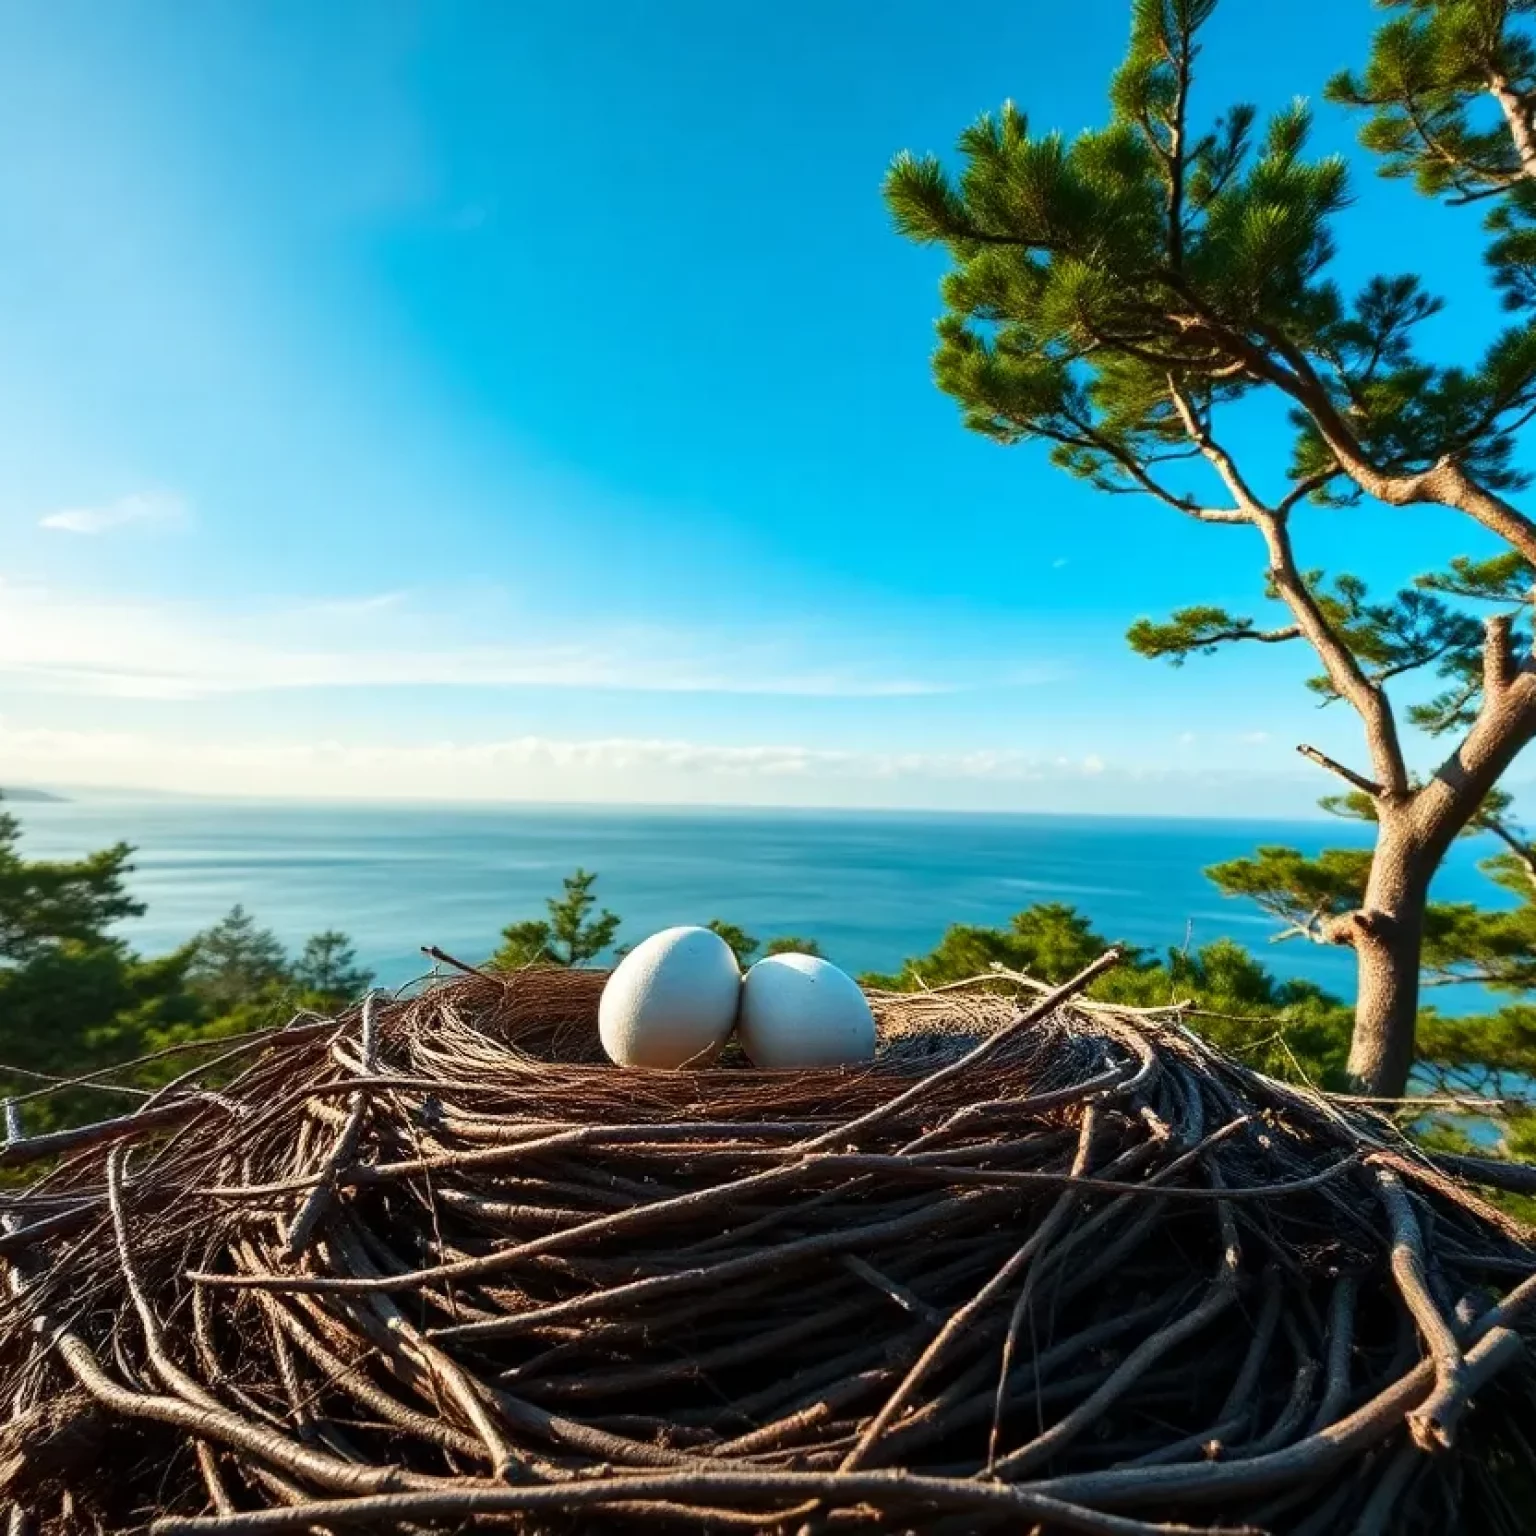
{"type": "Point", "coordinates": [67, 793]}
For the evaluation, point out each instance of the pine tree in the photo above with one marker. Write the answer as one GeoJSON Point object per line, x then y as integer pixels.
{"type": "Point", "coordinates": [745, 947]}
{"type": "Point", "coordinates": [741, 943]}
{"type": "Point", "coordinates": [45, 902]}
{"type": "Point", "coordinates": [72, 995]}
{"type": "Point", "coordinates": [1116, 295]}
{"type": "Point", "coordinates": [569, 936]}
{"type": "Point", "coordinates": [327, 969]}
{"type": "Point", "coordinates": [1291, 1029]}
{"type": "Point", "coordinates": [791, 944]}
{"type": "Point", "coordinates": [235, 961]}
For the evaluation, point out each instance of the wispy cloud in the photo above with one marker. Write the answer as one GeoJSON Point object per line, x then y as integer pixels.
{"type": "Point", "coordinates": [148, 509]}
{"type": "Point", "coordinates": [61, 642]}
{"type": "Point", "coordinates": [522, 767]}
{"type": "Point", "coordinates": [347, 607]}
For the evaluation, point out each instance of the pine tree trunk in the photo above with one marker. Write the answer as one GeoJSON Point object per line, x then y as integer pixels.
{"type": "Point", "coordinates": [1387, 935]}
{"type": "Point", "coordinates": [1386, 1011]}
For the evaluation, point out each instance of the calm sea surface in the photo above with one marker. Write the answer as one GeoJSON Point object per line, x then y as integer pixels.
{"type": "Point", "coordinates": [870, 887]}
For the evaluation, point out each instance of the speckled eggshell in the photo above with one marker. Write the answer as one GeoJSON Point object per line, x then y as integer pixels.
{"type": "Point", "coordinates": [672, 1001]}
{"type": "Point", "coordinates": [798, 1011]}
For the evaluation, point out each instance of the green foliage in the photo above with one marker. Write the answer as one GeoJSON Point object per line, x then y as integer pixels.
{"type": "Point", "coordinates": [790, 944]}
{"type": "Point", "coordinates": [1487, 1054]}
{"type": "Point", "coordinates": [1051, 941]}
{"type": "Point", "coordinates": [1426, 89]}
{"type": "Point", "coordinates": [1199, 631]}
{"type": "Point", "coordinates": [741, 943]}
{"type": "Point", "coordinates": [525, 943]}
{"type": "Point", "coordinates": [1077, 264]}
{"type": "Point", "coordinates": [71, 996]}
{"type": "Point", "coordinates": [235, 960]}
{"type": "Point", "coordinates": [1299, 891]}
{"type": "Point", "coordinates": [745, 947]}
{"type": "Point", "coordinates": [1506, 578]}
{"type": "Point", "coordinates": [46, 903]}
{"type": "Point", "coordinates": [569, 937]}
{"type": "Point", "coordinates": [1414, 631]}
{"type": "Point", "coordinates": [1467, 943]}
{"type": "Point", "coordinates": [1291, 1029]}
{"type": "Point", "coordinates": [327, 970]}
{"type": "Point", "coordinates": [1108, 293]}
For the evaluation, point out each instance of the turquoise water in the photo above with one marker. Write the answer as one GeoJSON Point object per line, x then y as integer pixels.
{"type": "Point", "coordinates": [870, 887]}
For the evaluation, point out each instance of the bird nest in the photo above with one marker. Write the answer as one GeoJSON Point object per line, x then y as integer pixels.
{"type": "Point", "coordinates": [1045, 1265]}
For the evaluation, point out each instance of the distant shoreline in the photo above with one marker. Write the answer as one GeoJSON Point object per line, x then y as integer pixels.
{"type": "Point", "coordinates": [93, 795]}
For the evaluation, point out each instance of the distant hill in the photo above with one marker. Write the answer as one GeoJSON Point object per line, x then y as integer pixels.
{"type": "Point", "coordinates": [34, 795]}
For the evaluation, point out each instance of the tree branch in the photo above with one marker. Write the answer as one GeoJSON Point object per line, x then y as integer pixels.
{"type": "Point", "coordinates": [1445, 483]}
{"type": "Point", "coordinates": [1176, 153]}
{"type": "Point", "coordinates": [1220, 460]}
{"type": "Point", "coordinates": [1088, 436]}
{"type": "Point", "coordinates": [1498, 655]}
{"type": "Point", "coordinates": [1339, 662]}
{"type": "Point", "coordinates": [1413, 663]}
{"type": "Point", "coordinates": [1360, 782]}
{"type": "Point", "coordinates": [1263, 636]}
{"type": "Point", "coordinates": [1440, 977]}
{"type": "Point", "coordinates": [1495, 181]}
{"type": "Point", "coordinates": [1517, 116]}
{"type": "Point", "coordinates": [1304, 488]}
{"type": "Point", "coordinates": [1517, 846]}
{"type": "Point", "coordinates": [1504, 726]}
{"type": "Point", "coordinates": [1310, 928]}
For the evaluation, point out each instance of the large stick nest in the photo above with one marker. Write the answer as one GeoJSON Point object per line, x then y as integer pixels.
{"type": "Point", "coordinates": [1047, 1265]}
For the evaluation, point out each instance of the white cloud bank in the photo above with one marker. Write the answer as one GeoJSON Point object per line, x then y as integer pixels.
{"type": "Point", "coordinates": [124, 648]}
{"type": "Point", "coordinates": [518, 767]}
{"type": "Point", "coordinates": [149, 509]}
{"type": "Point", "coordinates": [619, 770]}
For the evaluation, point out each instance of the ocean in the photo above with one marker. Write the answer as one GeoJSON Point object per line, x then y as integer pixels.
{"type": "Point", "coordinates": [870, 887]}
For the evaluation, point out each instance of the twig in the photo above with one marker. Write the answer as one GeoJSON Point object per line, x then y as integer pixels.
{"type": "Point", "coordinates": [307, 1219]}
{"type": "Point", "coordinates": [432, 952]}
{"type": "Point", "coordinates": [16, 1153]}
{"type": "Point", "coordinates": [1360, 782]}
{"type": "Point", "coordinates": [1427, 1421]}
{"type": "Point", "coordinates": [845, 1134]}
{"type": "Point", "coordinates": [891, 1490]}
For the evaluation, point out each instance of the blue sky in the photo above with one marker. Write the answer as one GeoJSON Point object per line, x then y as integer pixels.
{"type": "Point", "coordinates": [532, 401]}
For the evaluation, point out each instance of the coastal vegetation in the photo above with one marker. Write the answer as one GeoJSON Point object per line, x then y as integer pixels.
{"type": "Point", "coordinates": [74, 997]}
{"type": "Point", "coordinates": [1146, 299]}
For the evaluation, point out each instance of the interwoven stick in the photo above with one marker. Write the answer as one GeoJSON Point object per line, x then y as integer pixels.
{"type": "Point", "coordinates": [545, 1269]}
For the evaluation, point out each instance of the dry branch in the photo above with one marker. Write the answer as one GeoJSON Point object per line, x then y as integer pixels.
{"type": "Point", "coordinates": [482, 1278]}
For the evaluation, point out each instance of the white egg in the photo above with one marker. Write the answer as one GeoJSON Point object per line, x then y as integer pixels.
{"type": "Point", "coordinates": [800, 1011]}
{"type": "Point", "coordinates": [672, 1001]}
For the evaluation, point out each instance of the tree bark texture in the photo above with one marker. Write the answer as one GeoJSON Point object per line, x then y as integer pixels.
{"type": "Point", "coordinates": [1386, 934]}
{"type": "Point", "coordinates": [1414, 834]}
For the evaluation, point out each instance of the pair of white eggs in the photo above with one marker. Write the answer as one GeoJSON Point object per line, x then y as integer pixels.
{"type": "Point", "coordinates": [674, 1000]}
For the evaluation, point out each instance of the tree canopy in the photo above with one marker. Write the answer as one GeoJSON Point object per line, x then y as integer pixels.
{"type": "Point", "coordinates": [75, 996]}
{"type": "Point", "coordinates": [569, 936]}
{"type": "Point", "coordinates": [1115, 296]}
